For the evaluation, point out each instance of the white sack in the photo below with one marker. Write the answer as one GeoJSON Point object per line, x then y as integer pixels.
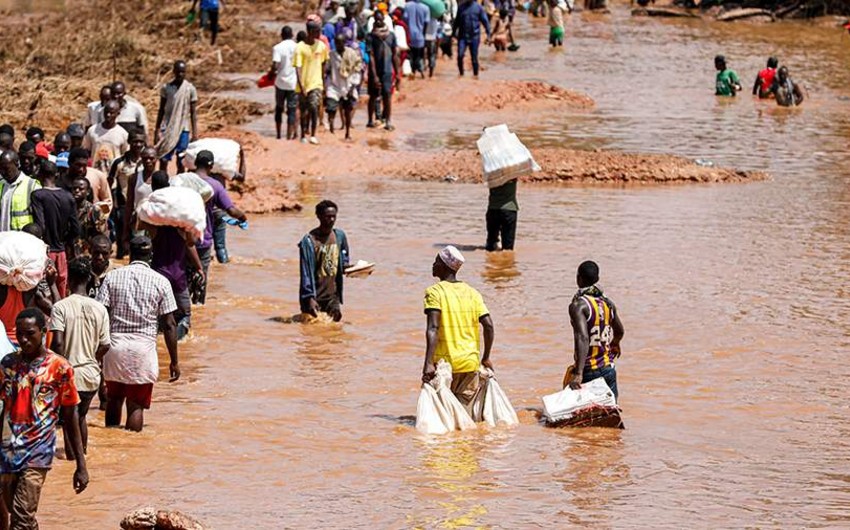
{"type": "Point", "coordinates": [431, 417]}
{"type": "Point", "coordinates": [5, 344]}
{"type": "Point", "coordinates": [225, 155]}
{"type": "Point", "coordinates": [567, 403]}
{"type": "Point", "coordinates": [401, 39]}
{"type": "Point", "coordinates": [179, 207]}
{"type": "Point", "coordinates": [497, 407]}
{"type": "Point", "coordinates": [193, 182]}
{"type": "Point", "coordinates": [445, 409]}
{"type": "Point", "coordinates": [22, 260]}
{"type": "Point", "coordinates": [503, 156]}
{"type": "Point", "coordinates": [406, 68]}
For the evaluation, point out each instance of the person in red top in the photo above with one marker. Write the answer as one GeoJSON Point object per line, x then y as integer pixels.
{"type": "Point", "coordinates": [764, 79]}
{"type": "Point", "coordinates": [36, 386]}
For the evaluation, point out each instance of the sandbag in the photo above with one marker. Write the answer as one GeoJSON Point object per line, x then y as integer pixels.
{"type": "Point", "coordinates": [225, 155]}
{"type": "Point", "coordinates": [174, 206]}
{"type": "Point", "coordinates": [503, 156]}
{"type": "Point", "coordinates": [441, 412]}
{"type": "Point", "coordinates": [193, 182]}
{"type": "Point", "coordinates": [23, 258]}
{"type": "Point", "coordinates": [437, 7]}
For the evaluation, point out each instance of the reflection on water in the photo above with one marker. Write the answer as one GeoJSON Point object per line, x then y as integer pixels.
{"type": "Point", "coordinates": [733, 298]}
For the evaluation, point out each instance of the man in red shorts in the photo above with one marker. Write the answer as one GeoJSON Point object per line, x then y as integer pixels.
{"type": "Point", "coordinates": [139, 300]}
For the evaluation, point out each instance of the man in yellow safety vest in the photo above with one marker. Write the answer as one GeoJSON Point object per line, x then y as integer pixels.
{"type": "Point", "coordinates": [15, 193]}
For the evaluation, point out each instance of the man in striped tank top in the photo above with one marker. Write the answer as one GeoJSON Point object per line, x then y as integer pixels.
{"type": "Point", "coordinates": [597, 331]}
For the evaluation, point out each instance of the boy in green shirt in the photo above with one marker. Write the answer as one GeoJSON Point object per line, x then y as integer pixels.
{"type": "Point", "coordinates": [727, 80]}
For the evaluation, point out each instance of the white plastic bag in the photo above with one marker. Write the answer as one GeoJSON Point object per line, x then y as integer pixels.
{"type": "Point", "coordinates": [174, 206]}
{"type": "Point", "coordinates": [193, 182]}
{"type": "Point", "coordinates": [225, 155]}
{"type": "Point", "coordinates": [401, 39]}
{"type": "Point", "coordinates": [22, 260]}
{"type": "Point", "coordinates": [5, 344]}
{"type": "Point", "coordinates": [441, 412]}
{"type": "Point", "coordinates": [406, 69]}
{"type": "Point", "coordinates": [567, 403]}
{"type": "Point", "coordinates": [503, 156]}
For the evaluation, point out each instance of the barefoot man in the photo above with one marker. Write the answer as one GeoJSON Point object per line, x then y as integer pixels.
{"type": "Point", "coordinates": [597, 331]}
{"type": "Point", "coordinates": [454, 310]}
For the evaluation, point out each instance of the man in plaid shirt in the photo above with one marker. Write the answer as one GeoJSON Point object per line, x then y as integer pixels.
{"type": "Point", "coordinates": [139, 301]}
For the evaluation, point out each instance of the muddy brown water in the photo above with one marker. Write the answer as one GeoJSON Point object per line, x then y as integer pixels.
{"type": "Point", "coordinates": [733, 377]}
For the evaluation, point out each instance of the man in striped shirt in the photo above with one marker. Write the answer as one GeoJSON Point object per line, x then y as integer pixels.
{"type": "Point", "coordinates": [597, 331]}
{"type": "Point", "coordinates": [139, 301]}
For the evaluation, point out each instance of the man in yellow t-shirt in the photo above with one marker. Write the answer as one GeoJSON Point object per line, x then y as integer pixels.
{"type": "Point", "coordinates": [454, 311]}
{"type": "Point", "coordinates": [309, 60]}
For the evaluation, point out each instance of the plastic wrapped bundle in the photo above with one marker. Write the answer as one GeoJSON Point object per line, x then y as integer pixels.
{"type": "Point", "coordinates": [591, 405]}
{"type": "Point", "coordinates": [503, 156]}
{"type": "Point", "coordinates": [438, 410]}
{"type": "Point", "coordinates": [225, 155]}
{"type": "Point", "coordinates": [174, 206]}
{"type": "Point", "coordinates": [194, 182]}
{"type": "Point", "coordinates": [22, 260]}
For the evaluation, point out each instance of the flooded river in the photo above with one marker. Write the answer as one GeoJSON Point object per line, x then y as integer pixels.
{"type": "Point", "coordinates": [733, 297]}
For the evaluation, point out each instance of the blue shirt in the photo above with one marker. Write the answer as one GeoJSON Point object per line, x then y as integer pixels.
{"type": "Point", "coordinates": [467, 24]}
{"type": "Point", "coordinates": [209, 4]}
{"type": "Point", "coordinates": [417, 15]}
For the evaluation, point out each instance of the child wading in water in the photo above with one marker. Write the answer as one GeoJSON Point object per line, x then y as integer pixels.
{"type": "Point", "coordinates": [556, 23]}
{"type": "Point", "coordinates": [500, 31]}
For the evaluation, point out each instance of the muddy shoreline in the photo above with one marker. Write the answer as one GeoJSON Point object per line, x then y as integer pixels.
{"type": "Point", "coordinates": [376, 153]}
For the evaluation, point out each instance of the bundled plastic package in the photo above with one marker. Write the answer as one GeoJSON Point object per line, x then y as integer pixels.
{"type": "Point", "coordinates": [192, 181]}
{"type": "Point", "coordinates": [491, 405]}
{"type": "Point", "coordinates": [23, 258]}
{"type": "Point", "coordinates": [175, 206]}
{"type": "Point", "coordinates": [438, 410]}
{"type": "Point", "coordinates": [591, 405]}
{"type": "Point", "coordinates": [503, 156]}
{"type": "Point", "coordinates": [225, 155]}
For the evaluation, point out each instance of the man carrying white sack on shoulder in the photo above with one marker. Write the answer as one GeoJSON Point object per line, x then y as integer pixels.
{"type": "Point", "coordinates": [454, 310]}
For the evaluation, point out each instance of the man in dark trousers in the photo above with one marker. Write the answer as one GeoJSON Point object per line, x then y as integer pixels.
{"type": "Point", "coordinates": [502, 216]}
{"type": "Point", "coordinates": [324, 255]}
{"type": "Point", "coordinates": [55, 211]}
{"type": "Point", "coordinates": [597, 331]}
{"type": "Point", "coordinates": [467, 29]}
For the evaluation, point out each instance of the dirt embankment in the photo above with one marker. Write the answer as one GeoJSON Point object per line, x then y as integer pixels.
{"type": "Point", "coordinates": [55, 63]}
{"type": "Point", "coordinates": [583, 167]}
{"type": "Point", "coordinates": [488, 96]}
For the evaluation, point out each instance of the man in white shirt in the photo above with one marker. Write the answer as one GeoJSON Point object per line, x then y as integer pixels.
{"type": "Point", "coordinates": [285, 82]}
{"type": "Point", "coordinates": [94, 110]}
{"type": "Point", "coordinates": [81, 334]}
{"type": "Point", "coordinates": [106, 140]}
{"type": "Point", "coordinates": [132, 115]}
